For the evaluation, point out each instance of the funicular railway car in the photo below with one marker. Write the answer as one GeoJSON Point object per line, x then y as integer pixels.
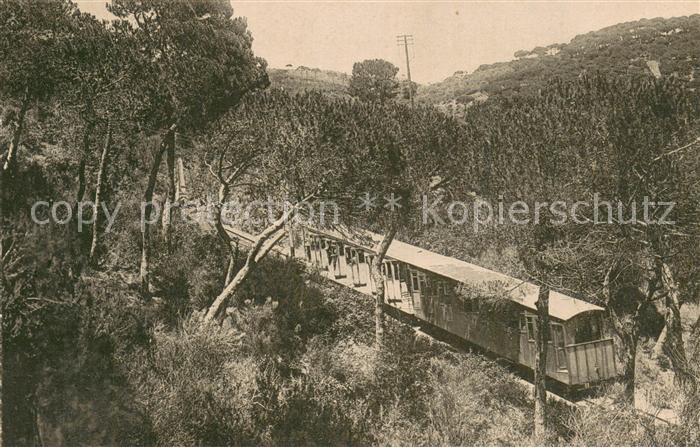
{"type": "Point", "coordinates": [426, 285]}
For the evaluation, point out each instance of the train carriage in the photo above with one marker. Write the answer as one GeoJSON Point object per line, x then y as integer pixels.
{"type": "Point", "coordinates": [425, 285]}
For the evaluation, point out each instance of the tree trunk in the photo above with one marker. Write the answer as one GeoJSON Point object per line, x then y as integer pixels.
{"type": "Point", "coordinates": [181, 190]}
{"type": "Point", "coordinates": [674, 348]}
{"type": "Point", "coordinates": [541, 341]}
{"type": "Point", "coordinates": [10, 158]}
{"type": "Point", "coordinates": [658, 349]}
{"type": "Point", "coordinates": [378, 279]}
{"type": "Point", "coordinates": [170, 201]}
{"type": "Point", "coordinates": [98, 192]}
{"type": "Point", "coordinates": [629, 368]}
{"type": "Point", "coordinates": [231, 267]}
{"type": "Point", "coordinates": [627, 329]}
{"type": "Point", "coordinates": [223, 234]}
{"type": "Point", "coordinates": [16, 136]}
{"type": "Point", "coordinates": [290, 239]}
{"type": "Point", "coordinates": [261, 247]}
{"type": "Point", "coordinates": [89, 127]}
{"type": "Point", "coordinates": [148, 211]}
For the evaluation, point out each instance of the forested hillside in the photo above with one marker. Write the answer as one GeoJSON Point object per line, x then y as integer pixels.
{"type": "Point", "coordinates": [645, 48]}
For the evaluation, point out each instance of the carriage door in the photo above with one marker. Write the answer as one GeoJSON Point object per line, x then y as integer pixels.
{"type": "Point", "coordinates": [394, 293]}
{"type": "Point", "coordinates": [316, 251]}
{"type": "Point", "coordinates": [335, 254]}
{"type": "Point", "coordinates": [370, 277]}
{"type": "Point", "coordinates": [324, 252]}
{"type": "Point", "coordinates": [415, 284]}
{"type": "Point", "coordinates": [528, 324]}
{"type": "Point", "coordinates": [403, 288]}
{"type": "Point", "coordinates": [559, 343]}
{"type": "Point", "coordinates": [419, 286]}
{"type": "Point", "coordinates": [388, 277]}
{"type": "Point", "coordinates": [307, 252]}
{"type": "Point", "coordinates": [354, 261]}
{"type": "Point", "coordinates": [396, 281]}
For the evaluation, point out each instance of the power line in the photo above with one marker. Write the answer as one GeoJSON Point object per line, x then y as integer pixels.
{"type": "Point", "coordinates": [406, 40]}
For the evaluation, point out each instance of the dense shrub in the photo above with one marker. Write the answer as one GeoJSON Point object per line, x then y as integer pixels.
{"type": "Point", "coordinates": [63, 333]}
{"type": "Point", "coordinates": [469, 401]}
{"type": "Point", "coordinates": [622, 426]}
{"type": "Point", "coordinates": [197, 387]}
{"type": "Point", "coordinates": [191, 276]}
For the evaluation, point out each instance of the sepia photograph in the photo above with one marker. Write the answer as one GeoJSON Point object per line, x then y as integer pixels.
{"type": "Point", "coordinates": [386, 223]}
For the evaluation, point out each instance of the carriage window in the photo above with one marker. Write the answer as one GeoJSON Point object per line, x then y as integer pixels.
{"type": "Point", "coordinates": [422, 281]}
{"type": "Point", "coordinates": [308, 253]}
{"type": "Point", "coordinates": [396, 271]}
{"type": "Point", "coordinates": [587, 329]}
{"type": "Point", "coordinates": [530, 328]}
{"type": "Point", "coordinates": [361, 256]}
{"type": "Point", "coordinates": [559, 343]}
{"type": "Point", "coordinates": [349, 253]}
{"type": "Point", "coordinates": [414, 281]}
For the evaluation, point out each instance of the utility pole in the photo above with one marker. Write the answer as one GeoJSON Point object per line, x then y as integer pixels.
{"type": "Point", "coordinates": [406, 40]}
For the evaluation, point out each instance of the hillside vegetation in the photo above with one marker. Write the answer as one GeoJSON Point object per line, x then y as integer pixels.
{"type": "Point", "coordinates": [301, 79]}
{"type": "Point", "coordinates": [636, 49]}
{"type": "Point", "coordinates": [644, 48]}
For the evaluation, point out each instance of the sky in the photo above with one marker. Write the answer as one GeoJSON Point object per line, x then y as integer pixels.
{"type": "Point", "coordinates": [448, 36]}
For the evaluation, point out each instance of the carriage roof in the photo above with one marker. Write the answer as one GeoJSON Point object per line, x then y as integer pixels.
{"type": "Point", "coordinates": [561, 306]}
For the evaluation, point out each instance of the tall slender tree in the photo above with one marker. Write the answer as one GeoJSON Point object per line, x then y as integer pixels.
{"type": "Point", "coordinates": [195, 63]}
